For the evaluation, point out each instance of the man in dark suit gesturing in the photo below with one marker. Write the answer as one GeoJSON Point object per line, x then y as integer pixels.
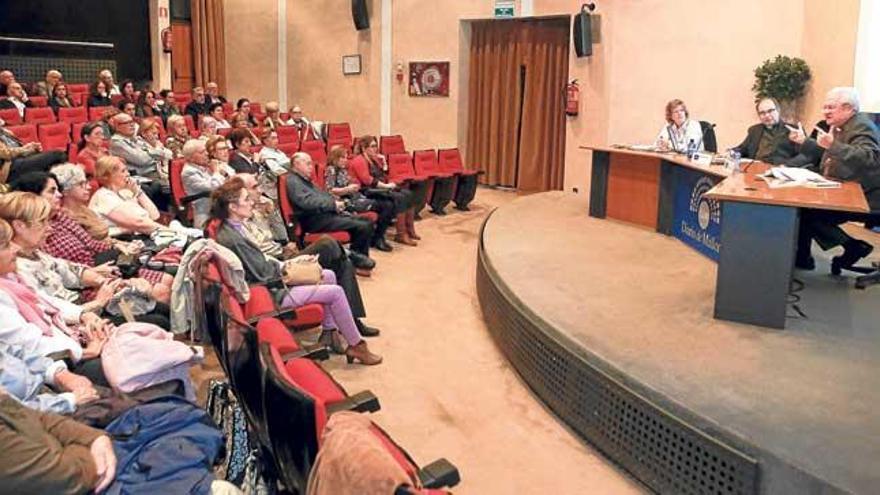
{"type": "Point", "coordinates": [849, 150]}
{"type": "Point", "coordinates": [768, 141]}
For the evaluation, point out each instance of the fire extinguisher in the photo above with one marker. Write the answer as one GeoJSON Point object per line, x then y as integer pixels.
{"type": "Point", "coordinates": [167, 44]}
{"type": "Point", "coordinates": [572, 93]}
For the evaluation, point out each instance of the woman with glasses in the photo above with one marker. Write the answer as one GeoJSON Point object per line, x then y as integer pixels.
{"type": "Point", "coordinates": [679, 130]}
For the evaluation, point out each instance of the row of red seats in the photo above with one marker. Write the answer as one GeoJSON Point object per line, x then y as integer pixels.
{"type": "Point", "coordinates": [287, 397]}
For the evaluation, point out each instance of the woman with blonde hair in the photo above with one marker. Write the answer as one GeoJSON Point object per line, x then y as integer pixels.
{"type": "Point", "coordinates": [178, 134]}
{"type": "Point", "coordinates": [121, 202]}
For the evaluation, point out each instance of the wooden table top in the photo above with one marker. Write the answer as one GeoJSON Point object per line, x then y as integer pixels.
{"type": "Point", "coordinates": [669, 156]}
{"type": "Point", "coordinates": [747, 188]}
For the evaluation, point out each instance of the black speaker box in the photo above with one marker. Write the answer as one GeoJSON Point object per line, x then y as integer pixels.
{"type": "Point", "coordinates": [582, 34]}
{"type": "Point", "coordinates": [359, 14]}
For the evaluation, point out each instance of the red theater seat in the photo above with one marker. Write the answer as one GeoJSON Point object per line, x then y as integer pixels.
{"type": "Point", "coordinates": [340, 131]}
{"type": "Point", "coordinates": [391, 144]}
{"type": "Point", "coordinates": [79, 89]}
{"type": "Point", "coordinates": [10, 116]}
{"type": "Point", "coordinates": [39, 101]}
{"type": "Point", "coordinates": [54, 136]}
{"type": "Point", "coordinates": [73, 115]}
{"type": "Point", "coordinates": [287, 134]}
{"type": "Point", "coordinates": [39, 115]}
{"type": "Point", "coordinates": [97, 113]}
{"type": "Point", "coordinates": [315, 149]}
{"type": "Point", "coordinates": [293, 227]}
{"type": "Point", "coordinates": [26, 133]}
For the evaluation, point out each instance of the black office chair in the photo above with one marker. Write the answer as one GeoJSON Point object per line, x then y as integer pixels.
{"type": "Point", "coordinates": [870, 274]}
{"type": "Point", "coordinates": [710, 143]}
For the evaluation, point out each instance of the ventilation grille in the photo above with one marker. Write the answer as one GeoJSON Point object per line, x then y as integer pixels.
{"type": "Point", "coordinates": [655, 446]}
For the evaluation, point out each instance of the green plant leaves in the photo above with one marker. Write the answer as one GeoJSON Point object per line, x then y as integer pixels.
{"type": "Point", "coordinates": [783, 78]}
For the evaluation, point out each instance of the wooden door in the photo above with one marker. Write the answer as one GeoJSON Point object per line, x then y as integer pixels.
{"type": "Point", "coordinates": [182, 74]}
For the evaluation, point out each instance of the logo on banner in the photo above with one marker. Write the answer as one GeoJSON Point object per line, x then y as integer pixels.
{"type": "Point", "coordinates": [707, 210]}
{"type": "Point", "coordinates": [697, 218]}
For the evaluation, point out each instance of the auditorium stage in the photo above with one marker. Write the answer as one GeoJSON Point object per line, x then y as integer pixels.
{"type": "Point", "coordinates": [611, 326]}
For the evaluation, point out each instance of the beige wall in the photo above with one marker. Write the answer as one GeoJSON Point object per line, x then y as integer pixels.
{"type": "Point", "coordinates": [702, 52]}
{"type": "Point", "coordinates": [251, 49]}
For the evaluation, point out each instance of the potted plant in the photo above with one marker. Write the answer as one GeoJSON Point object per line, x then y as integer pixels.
{"type": "Point", "coordinates": [784, 78]}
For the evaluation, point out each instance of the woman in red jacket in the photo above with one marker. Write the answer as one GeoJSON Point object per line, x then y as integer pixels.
{"type": "Point", "coordinates": [371, 170]}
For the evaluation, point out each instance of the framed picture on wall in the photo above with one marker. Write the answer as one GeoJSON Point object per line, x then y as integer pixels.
{"type": "Point", "coordinates": [429, 79]}
{"type": "Point", "coordinates": [351, 65]}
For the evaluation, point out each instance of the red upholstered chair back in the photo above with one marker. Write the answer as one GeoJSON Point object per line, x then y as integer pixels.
{"type": "Point", "coordinates": [39, 101]}
{"type": "Point", "coordinates": [288, 148]}
{"type": "Point", "coordinates": [77, 99]}
{"type": "Point", "coordinates": [73, 115]}
{"type": "Point", "coordinates": [400, 167]}
{"type": "Point", "coordinates": [342, 141]}
{"type": "Point", "coordinates": [96, 113]}
{"type": "Point", "coordinates": [450, 160]}
{"type": "Point", "coordinates": [10, 116]}
{"type": "Point", "coordinates": [26, 133]}
{"type": "Point", "coordinates": [54, 136]}
{"type": "Point", "coordinates": [315, 149]}
{"type": "Point", "coordinates": [175, 168]}
{"type": "Point", "coordinates": [79, 89]}
{"type": "Point", "coordinates": [287, 134]}
{"type": "Point", "coordinates": [391, 144]}
{"type": "Point", "coordinates": [39, 115]}
{"type": "Point", "coordinates": [191, 125]}
{"type": "Point", "coordinates": [284, 204]}
{"type": "Point", "coordinates": [341, 130]}
{"type": "Point", "coordinates": [425, 162]}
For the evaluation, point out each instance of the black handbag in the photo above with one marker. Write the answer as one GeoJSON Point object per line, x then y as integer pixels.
{"type": "Point", "coordinates": [359, 204]}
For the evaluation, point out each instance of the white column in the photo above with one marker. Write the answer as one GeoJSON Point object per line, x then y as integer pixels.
{"type": "Point", "coordinates": [526, 8]}
{"type": "Point", "coordinates": [385, 70]}
{"type": "Point", "coordinates": [282, 55]}
{"type": "Point", "coordinates": [867, 70]}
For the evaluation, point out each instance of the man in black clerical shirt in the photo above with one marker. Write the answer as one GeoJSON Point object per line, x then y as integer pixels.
{"type": "Point", "coordinates": [768, 141]}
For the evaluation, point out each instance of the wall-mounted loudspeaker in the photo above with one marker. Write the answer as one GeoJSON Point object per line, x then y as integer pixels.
{"type": "Point", "coordinates": [582, 31]}
{"type": "Point", "coordinates": [359, 14]}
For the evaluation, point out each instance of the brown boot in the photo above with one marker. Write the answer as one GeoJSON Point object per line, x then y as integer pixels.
{"type": "Point", "coordinates": [362, 353]}
{"type": "Point", "coordinates": [363, 272]}
{"type": "Point", "coordinates": [402, 235]}
{"type": "Point", "coordinates": [411, 224]}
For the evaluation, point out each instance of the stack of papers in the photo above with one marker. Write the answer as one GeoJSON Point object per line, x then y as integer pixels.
{"type": "Point", "coordinates": [796, 177]}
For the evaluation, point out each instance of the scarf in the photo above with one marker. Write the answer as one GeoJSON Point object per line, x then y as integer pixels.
{"type": "Point", "coordinates": [32, 308]}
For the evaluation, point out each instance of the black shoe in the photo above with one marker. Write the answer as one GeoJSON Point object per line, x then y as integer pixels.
{"type": "Point", "coordinates": [366, 331]}
{"type": "Point", "coordinates": [382, 245]}
{"type": "Point", "coordinates": [361, 261]}
{"type": "Point", "coordinates": [854, 250]}
{"type": "Point", "coordinates": [417, 216]}
{"type": "Point", "coordinates": [462, 208]}
{"type": "Point", "coordinates": [807, 263]}
{"type": "Point", "coordinates": [438, 212]}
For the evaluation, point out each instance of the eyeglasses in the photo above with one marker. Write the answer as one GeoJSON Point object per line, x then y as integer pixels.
{"type": "Point", "coordinates": [766, 112]}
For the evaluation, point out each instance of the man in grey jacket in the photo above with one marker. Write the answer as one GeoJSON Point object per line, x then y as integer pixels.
{"type": "Point", "coordinates": [140, 159]}
{"type": "Point", "coordinates": [850, 151]}
{"type": "Point", "coordinates": [318, 211]}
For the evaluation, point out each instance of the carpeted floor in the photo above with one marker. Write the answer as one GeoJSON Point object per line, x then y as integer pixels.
{"type": "Point", "coordinates": [445, 389]}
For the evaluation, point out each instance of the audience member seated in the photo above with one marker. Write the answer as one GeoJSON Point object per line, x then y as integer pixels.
{"type": "Point", "coordinates": [208, 128]}
{"type": "Point", "coordinates": [106, 116]}
{"type": "Point", "coordinates": [98, 95]}
{"type": "Point", "coordinates": [147, 106]}
{"type": "Point", "coordinates": [91, 147]}
{"type": "Point", "coordinates": [273, 117]}
{"type": "Point", "coordinates": [849, 150]}
{"type": "Point", "coordinates": [28, 378]}
{"type": "Point", "coordinates": [126, 89]}
{"type": "Point", "coordinates": [129, 109]}
{"type": "Point", "coordinates": [239, 121]}
{"type": "Point", "coordinates": [275, 159]}
{"type": "Point", "coordinates": [96, 289]}
{"type": "Point", "coordinates": [17, 158]}
{"type": "Point", "coordinates": [6, 78]}
{"type": "Point", "coordinates": [47, 453]}
{"type": "Point", "coordinates": [197, 107]}
{"type": "Point", "coordinates": [69, 239]}
{"type": "Point", "coordinates": [337, 181]}
{"type": "Point", "coordinates": [243, 108]}
{"type": "Point", "coordinates": [215, 111]}
{"type": "Point", "coordinates": [140, 158]}
{"type": "Point", "coordinates": [218, 151]}
{"type": "Point", "coordinates": [331, 253]}
{"type": "Point", "coordinates": [768, 141]}
{"type": "Point", "coordinates": [44, 88]}
{"type": "Point", "coordinates": [242, 159]}
{"type": "Point", "coordinates": [212, 94]}
{"type": "Point", "coordinates": [177, 135]}
{"type": "Point", "coordinates": [16, 99]}
{"type": "Point", "coordinates": [44, 325]}
{"type": "Point", "coordinates": [320, 211]}
{"type": "Point", "coordinates": [59, 97]}
{"type": "Point", "coordinates": [305, 130]}
{"type": "Point", "coordinates": [232, 205]}
{"type": "Point", "coordinates": [679, 129]}
{"type": "Point", "coordinates": [149, 132]}
{"type": "Point", "coordinates": [120, 202]}
{"type": "Point", "coordinates": [106, 77]}
{"type": "Point", "coordinates": [370, 169]}
{"type": "Point", "coordinates": [169, 105]}
{"type": "Point", "coordinates": [200, 177]}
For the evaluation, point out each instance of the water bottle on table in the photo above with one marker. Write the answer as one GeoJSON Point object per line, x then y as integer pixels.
{"type": "Point", "coordinates": [692, 149]}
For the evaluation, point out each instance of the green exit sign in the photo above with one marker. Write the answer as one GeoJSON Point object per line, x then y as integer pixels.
{"type": "Point", "coordinates": [504, 8]}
